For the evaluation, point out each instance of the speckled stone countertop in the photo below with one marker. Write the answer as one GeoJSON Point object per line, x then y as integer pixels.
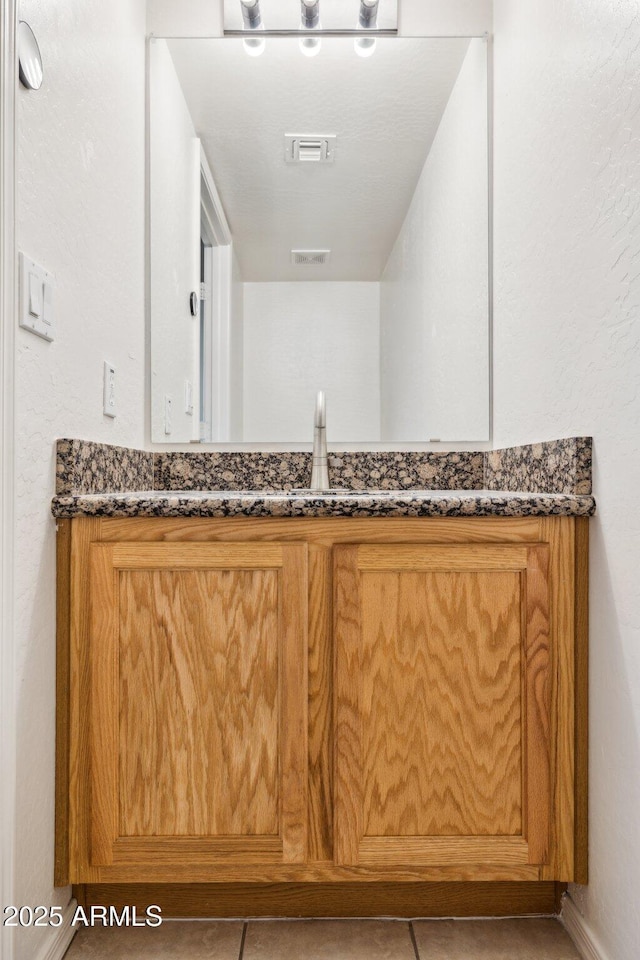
{"type": "Point", "coordinates": [401, 503]}
{"type": "Point", "coordinates": [543, 479]}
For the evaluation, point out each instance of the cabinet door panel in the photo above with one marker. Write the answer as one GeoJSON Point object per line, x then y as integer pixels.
{"type": "Point", "coordinates": [199, 703]}
{"type": "Point", "coordinates": [440, 719]}
{"type": "Point", "coordinates": [442, 704]}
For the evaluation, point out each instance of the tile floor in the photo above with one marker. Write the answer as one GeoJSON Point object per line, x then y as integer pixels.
{"type": "Point", "coordinates": [537, 939]}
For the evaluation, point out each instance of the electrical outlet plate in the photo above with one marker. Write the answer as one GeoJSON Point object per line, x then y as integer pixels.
{"type": "Point", "coordinates": [109, 390]}
{"type": "Point", "coordinates": [168, 415]}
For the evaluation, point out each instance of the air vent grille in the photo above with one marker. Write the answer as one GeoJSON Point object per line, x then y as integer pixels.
{"type": "Point", "coordinates": [310, 258]}
{"type": "Point", "coordinates": [309, 148]}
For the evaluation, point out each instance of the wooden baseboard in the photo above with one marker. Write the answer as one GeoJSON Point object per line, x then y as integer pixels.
{"type": "Point", "coordinates": [482, 899]}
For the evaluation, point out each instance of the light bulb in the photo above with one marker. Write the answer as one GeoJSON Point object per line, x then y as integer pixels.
{"type": "Point", "coordinates": [252, 18]}
{"type": "Point", "coordinates": [254, 46]}
{"type": "Point", "coordinates": [365, 46]}
{"type": "Point", "coordinates": [310, 20]}
{"type": "Point", "coordinates": [310, 46]}
{"type": "Point", "coordinates": [368, 20]}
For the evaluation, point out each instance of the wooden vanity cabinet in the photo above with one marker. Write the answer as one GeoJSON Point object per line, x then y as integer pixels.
{"type": "Point", "coordinates": [264, 700]}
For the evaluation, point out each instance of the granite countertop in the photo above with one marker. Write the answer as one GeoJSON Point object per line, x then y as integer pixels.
{"type": "Point", "coordinates": [552, 478]}
{"type": "Point", "coordinates": [352, 503]}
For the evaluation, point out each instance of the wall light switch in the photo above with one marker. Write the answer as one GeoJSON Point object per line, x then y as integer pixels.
{"type": "Point", "coordinates": [109, 394]}
{"type": "Point", "coordinates": [36, 296]}
{"type": "Point", "coordinates": [188, 398]}
{"type": "Point", "coordinates": [168, 414]}
{"type": "Point", "coordinates": [36, 299]}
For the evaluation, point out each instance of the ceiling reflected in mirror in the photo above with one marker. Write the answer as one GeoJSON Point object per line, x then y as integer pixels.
{"type": "Point", "coordinates": [352, 194]}
{"type": "Point", "coordinates": [379, 118]}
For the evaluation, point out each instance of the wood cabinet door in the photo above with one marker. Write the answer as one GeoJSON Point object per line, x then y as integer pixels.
{"type": "Point", "coordinates": [198, 705]}
{"type": "Point", "coordinates": [442, 693]}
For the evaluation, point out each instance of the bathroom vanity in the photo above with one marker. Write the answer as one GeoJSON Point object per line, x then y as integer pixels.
{"type": "Point", "coordinates": [259, 699]}
{"type": "Point", "coordinates": [362, 690]}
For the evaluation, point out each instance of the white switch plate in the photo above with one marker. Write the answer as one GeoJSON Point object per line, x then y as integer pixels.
{"type": "Point", "coordinates": [109, 392]}
{"type": "Point", "coordinates": [168, 414]}
{"type": "Point", "coordinates": [36, 299]}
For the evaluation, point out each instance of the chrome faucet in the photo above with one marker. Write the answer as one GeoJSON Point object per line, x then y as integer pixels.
{"type": "Point", "coordinates": [320, 464]}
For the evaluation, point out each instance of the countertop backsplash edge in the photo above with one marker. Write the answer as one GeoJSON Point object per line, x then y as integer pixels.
{"type": "Point", "coordinates": [88, 468]}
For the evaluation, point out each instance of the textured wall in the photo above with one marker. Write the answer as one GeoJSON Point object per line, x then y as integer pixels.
{"type": "Point", "coordinates": [434, 290]}
{"type": "Point", "coordinates": [189, 18]}
{"type": "Point", "coordinates": [174, 252]}
{"type": "Point", "coordinates": [441, 18]}
{"type": "Point", "coordinates": [81, 215]}
{"type": "Point", "coordinates": [308, 336]}
{"type": "Point", "coordinates": [567, 357]}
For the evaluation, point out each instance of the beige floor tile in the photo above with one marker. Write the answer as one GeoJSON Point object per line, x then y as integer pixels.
{"type": "Point", "coordinates": [493, 940]}
{"type": "Point", "coordinates": [174, 940]}
{"type": "Point", "coordinates": [328, 940]}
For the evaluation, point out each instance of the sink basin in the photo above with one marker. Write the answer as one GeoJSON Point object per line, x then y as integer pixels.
{"type": "Point", "coordinates": [333, 492]}
{"type": "Point", "coordinates": [343, 492]}
{"type": "Point", "coordinates": [308, 492]}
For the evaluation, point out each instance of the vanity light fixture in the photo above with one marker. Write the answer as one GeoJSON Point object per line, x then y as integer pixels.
{"type": "Point", "coordinates": [368, 20]}
{"type": "Point", "coordinates": [310, 20]}
{"type": "Point", "coordinates": [252, 20]}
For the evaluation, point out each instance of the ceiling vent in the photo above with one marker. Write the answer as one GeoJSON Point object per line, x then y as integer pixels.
{"type": "Point", "coordinates": [310, 258]}
{"type": "Point", "coordinates": [311, 148]}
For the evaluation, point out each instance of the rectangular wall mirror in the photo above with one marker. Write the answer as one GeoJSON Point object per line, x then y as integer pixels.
{"type": "Point", "coordinates": [319, 223]}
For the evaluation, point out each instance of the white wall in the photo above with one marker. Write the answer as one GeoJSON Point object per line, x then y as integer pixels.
{"type": "Point", "coordinates": [567, 358]}
{"type": "Point", "coordinates": [174, 229]}
{"type": "Point", "coordinates": [188, 18]}
{"type": "Point", "coordinates": [81, 215]}
{"type": "Point", "coordinates": [442, 18]}
{"type": "Point", "coordinates": [308, 336]}
{"type": "Point", "coordinates": [434, 290]}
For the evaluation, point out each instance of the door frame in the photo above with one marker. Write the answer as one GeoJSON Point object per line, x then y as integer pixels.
{"type": "Point", "coordinates": [8, 288]}
{"type": "Point", "coordinates": [218, 265]}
